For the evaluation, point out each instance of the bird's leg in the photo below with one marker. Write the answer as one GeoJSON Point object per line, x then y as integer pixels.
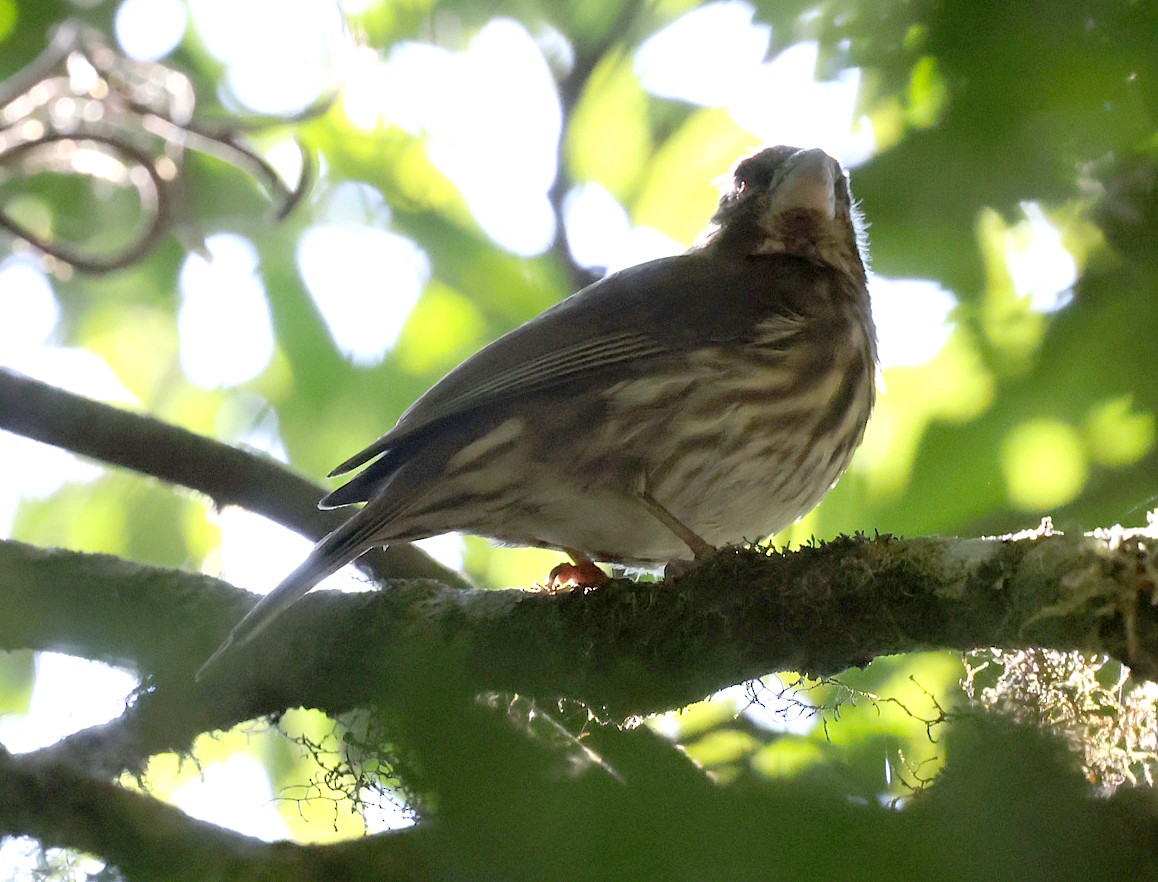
{"type": "Point", "coordinates": [699, 546]}
{"type": "Point", "coordinates": [583, 573]}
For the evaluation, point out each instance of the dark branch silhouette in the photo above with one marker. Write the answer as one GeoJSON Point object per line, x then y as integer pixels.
{"type": "Point", "coordinates": [229, 475]}
{"type": "Point", "coordinates": [80, 99]}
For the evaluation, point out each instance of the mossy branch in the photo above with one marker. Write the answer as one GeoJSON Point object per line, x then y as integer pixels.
{"type": "Point", "coordinates": [628, 648]}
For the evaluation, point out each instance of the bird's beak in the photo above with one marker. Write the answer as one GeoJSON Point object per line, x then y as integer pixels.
{"type": "Point", "coordinates": [808, 183]}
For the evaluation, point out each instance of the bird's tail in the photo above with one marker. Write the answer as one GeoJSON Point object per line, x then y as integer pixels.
{"type": "Point", "coordinates": [330, 554]}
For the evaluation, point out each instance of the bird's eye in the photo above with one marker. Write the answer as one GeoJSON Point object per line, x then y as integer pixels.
{"type": "Point", "coordinates": [744, 179]}
{"type": "Point", "coordinates": [752, 175]}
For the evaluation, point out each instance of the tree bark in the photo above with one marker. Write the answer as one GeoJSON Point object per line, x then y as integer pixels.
{"type": "Point", "coordinates": [625, 649]}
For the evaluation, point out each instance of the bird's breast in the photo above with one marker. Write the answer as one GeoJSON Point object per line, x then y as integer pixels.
{"type": "Point", "coordinates": [739, 441]}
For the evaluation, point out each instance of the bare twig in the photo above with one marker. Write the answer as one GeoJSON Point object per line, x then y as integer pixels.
{"type": "Point", "coordinates": [81, 95]}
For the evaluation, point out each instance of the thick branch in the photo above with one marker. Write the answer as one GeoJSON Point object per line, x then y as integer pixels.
{"type": "Point", "coordinates": [230, 475]}
{"type": "Point", "coordinates": [634, 648]}
{"type": "Point", "coordinates": [628, 648]}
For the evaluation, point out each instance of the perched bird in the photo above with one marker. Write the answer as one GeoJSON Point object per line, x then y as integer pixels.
{"type": "Point", "coordinates": [667, 409]}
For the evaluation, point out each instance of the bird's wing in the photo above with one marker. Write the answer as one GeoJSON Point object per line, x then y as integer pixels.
{"type": "Point", "coordinates": [669, 305]}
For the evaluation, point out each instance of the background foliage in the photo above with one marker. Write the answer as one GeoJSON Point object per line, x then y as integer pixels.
{"type": "Point", "coordinates": [1003, 136]}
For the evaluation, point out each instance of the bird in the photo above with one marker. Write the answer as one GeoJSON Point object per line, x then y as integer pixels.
{"type": "Point", "coordinates": [667, 409]}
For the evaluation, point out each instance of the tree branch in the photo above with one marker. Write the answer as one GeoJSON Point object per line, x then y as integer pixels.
{"type": "Point", "coordinates": [501, 827]}
{"type": "Point", "coordinates": [624, 649]}
{"type": "Point", "coordinates": [230, 475]}
{"type": "Point", "coordinates": [635, 648]}
{"type": "Point", "coordinates": [147, 839]}
{"type": "Point", "coordinates": [571, 86]}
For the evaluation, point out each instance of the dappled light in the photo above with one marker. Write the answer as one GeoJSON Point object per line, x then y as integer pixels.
{"type": "Point", "coordinates": [275, 225]}
{"type": "Point", "coordinates": [70, 694]}
{"type": "Point", "coordinates": [363, 279]}
{"type": "Point", "coordinates": [148, 30]}
{"type": "Point", "coordinates": [223, 320]}
{"type": "Point", "coordinates": [1118, 434]}
{"type": "Point", "coordinates": [913, 320]}
{"type": "Point", "coordinates": [489, 118]}
{"type": "Point", "coordinates": [1045, 464]}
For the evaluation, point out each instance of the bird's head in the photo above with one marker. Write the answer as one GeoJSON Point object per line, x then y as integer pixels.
{"type": "Point", "coordinates": [784, 200]}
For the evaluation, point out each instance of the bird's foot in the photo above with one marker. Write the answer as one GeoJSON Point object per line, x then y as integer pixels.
{"type": "Point", "coordinates": [677, 569]}
{"type": "Point", "coordinates": [581, 574]}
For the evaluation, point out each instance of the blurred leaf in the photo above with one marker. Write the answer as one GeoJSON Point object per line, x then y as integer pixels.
{"type": "Point", "coordinates": [1044, 464]}
{"type": "Point", "coordinates": [701, 717]}
{"type": "Point", "coordinates": [789, 756]}
{"type": "Point", "coordinates": [507, 567]}
{"type": "Point", "coordinates": [119, 514]}
{"type": "Point", "coordinates": [613, 102]}
{"type": "Point", "coordinates": [679, 195]}
{"type": "Point", "coordinates": [1118, 435]}
{"type": "Point", "coordinates": [722, 747]}
{"type": "Point", "coordinates": [927, 94]}
{"type": "Point", "coordinates": [444, 329]}
{"type": "Point", "coordinates": [139, 342]}
{"type": "Point", "coordinates": [884, 725]}
{"type": "Point", "coordinates": [17, 678]}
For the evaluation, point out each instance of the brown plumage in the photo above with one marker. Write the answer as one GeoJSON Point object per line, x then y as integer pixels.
{"type": "Point", "coordinates": [683, 403]}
